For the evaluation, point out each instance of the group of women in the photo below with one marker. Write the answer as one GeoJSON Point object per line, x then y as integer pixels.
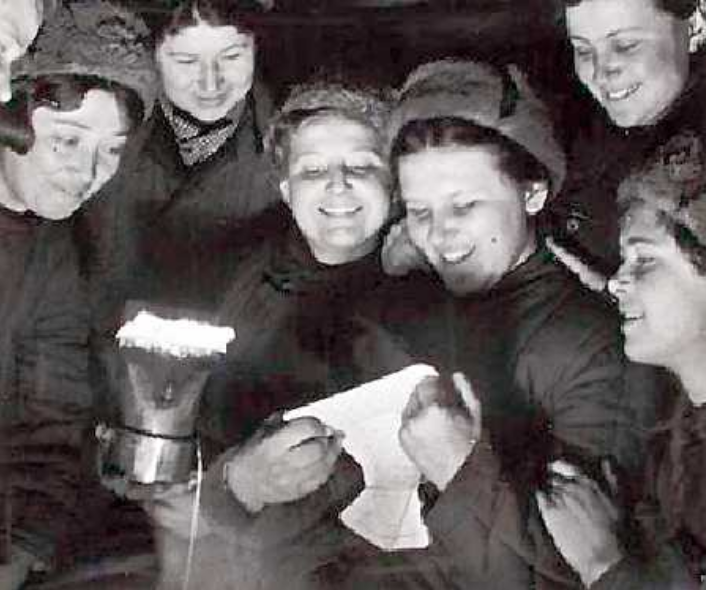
{"type": "Point", "coordinates": [147, 164]}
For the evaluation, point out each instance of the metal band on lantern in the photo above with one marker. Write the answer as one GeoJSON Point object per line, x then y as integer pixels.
{"type": "Point", "coordinates": [146, 458]}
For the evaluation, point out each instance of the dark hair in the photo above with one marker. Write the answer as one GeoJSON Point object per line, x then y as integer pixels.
{"type": "Point", "coordinates": [679, 8]}
{"type": "Point", "coordinates": [62, 92]}
{"type": "Point", "coordinates": [188, 13]}
{"type": "Point", "coordinates": [439, 132]}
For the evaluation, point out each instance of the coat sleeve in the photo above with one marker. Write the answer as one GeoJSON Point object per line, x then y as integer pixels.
{"type": "Point", "coordinates": [485, 520]}
{"type": "Point", "coordinates": [667, 571]}
{"type": "Point", "coordinates": [53, 411]}
{"type": "Point", "coordinates": [283, 544]}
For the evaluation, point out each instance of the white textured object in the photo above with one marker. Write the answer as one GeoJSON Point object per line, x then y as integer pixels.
{"type": "Point", "coordinates": [179, 338]}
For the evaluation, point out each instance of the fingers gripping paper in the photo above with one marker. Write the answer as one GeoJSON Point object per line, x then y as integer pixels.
{"type": "Point", "coordinates": [387, 512]}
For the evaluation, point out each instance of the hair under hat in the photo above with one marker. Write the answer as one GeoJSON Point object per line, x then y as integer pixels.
{"type": "Point", "coordinates": [487, 97]}
{"type": "Point", "coordinates": [98, 39]}
{"type": "Point", "coordinates": [672, 182]}
{"type": "Point", "coordinates": [307, 100]}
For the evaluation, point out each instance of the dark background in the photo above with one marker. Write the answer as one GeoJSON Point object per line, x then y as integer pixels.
{"type": "Point", "coordinates": [380, 41]}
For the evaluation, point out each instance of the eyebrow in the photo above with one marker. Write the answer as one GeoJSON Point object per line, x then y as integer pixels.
{"type": "Point", "coordinates": [610, 35]}
{"type": "Point", "coordinates": [638, 240]}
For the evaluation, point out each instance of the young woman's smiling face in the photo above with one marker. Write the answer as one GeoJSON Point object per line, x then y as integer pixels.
{"type": "Point", "coordinates": [661, 294]}
{"type": "Point", "coordinates": [632, 56]}
{"type": "Point", "coordinates": [471, 220]}
{"type": "Point", "coordinates": [337, 186]}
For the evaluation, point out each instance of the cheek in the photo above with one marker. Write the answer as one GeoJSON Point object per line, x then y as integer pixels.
{"type": "Point", "coordinates": [175, 78]}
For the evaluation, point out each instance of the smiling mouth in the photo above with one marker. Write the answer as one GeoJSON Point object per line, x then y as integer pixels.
{"type": "Point", "coordinates": [340, 212]}
{"type": "Point", "coordinates": [618, 95]}
{"type": "Point", "coordinates": [210, 99]}
{"type": "Point", "coordinates": [456, 257]}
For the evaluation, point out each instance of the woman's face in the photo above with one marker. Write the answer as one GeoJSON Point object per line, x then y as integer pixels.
{"type": "Point", "coordinates": [19, 23]}
{"type": "Point", "coordinates": [337, 187]}
{"type": "Point", "coordinates": [661, 295]}
{"type": "Point", "coordinates": [73, 155]}
{"type": "Point", "coordinates": [207, 70]}
{"type": "Point", "coordinates": [632, 56]}
{"type": "Point", "coordinates": [467, 215]}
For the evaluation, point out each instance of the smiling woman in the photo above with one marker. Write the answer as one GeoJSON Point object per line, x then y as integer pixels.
{"type": "Point", "coordinates": [196, 171]}
{"type": "Point", "coordinates": [633, 57]}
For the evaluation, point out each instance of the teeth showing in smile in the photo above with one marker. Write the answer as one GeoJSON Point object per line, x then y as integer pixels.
{"type": "Point", "coordinates": [622, 94]}
{"type": "Point", "coordinates": [456, 257]}
{"type": "Point", "coordinates": [340, 211]}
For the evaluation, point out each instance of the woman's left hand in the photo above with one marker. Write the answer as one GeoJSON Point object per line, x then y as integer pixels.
{"type": "Point", "coordinates": [582, 521]}
{"type": "Point", "coordinates": [437, 436]}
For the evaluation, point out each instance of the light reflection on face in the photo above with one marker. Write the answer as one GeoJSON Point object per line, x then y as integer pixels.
{"type": "Point", "coordinates": [207, 70]}
{"type": "Point", "coordinates": [632, 56]}
{"type": "Point", "coordinates": [337, 186]}
{"type": "Point", "coordinates": [73, 155]}
{"type": "Point", "coordinates": [661, 295]}
{"type": "Point", "coordinates": [469, 218]}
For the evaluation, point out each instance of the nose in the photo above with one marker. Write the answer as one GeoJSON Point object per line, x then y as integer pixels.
{"type": "Point", "coordinates": [84, 169]}
{"type": "Point", "coordinates": [619, 283]}
{"type": "Point", "coordinates": [442, 229]}
{"type": "Point", "coordinates": [337, 179]}
{"type": "Point", "coordinates": [210, 77]}
{"type": "Point", "coordinates": [605, 67]}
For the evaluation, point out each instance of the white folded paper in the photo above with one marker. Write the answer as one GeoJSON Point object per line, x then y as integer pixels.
{"type": "Point", "coordinates": [387, 512]}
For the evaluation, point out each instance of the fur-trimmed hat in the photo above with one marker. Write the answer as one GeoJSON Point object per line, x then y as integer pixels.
{"type": "Point", "coordinates": [673, 181]}
{"type": "Point", "coordinates": [94, 38]}
{"type": "Point", "coordinates": [487, 97]}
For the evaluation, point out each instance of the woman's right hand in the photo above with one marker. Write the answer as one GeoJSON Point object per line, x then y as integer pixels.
{"type": "Point", "coordinates": [283, 463]}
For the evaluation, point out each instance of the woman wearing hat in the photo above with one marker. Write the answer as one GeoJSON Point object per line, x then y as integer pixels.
{"type": "Point", "coordinates": [633, 58]}
{"type": "Point", "coordinates": [661, 290]}
{"type": "Point", "coordinates": [87, 85]}
{"type": "Point", "coordinates": [304, 305]}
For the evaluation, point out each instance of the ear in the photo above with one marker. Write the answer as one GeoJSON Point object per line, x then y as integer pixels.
{"type": "Point", "coordinates": [536, 195]}
{"type": "Point", "coordinates": [284, 190]}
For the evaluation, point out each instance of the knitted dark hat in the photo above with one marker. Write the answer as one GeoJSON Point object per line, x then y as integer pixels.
{"type": "Point", "coordinates": [479, 93]}
{"type": "Point", "coordinates": [98, 39]}
{"type": "Point", "coordinates": [673, 182]}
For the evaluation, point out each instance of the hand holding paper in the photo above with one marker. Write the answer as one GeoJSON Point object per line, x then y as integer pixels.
{"type": "Point", "coordinates": [438, 433]}
{"type": "Point", "coordinates": [283, 462]}
{"type": "Point", "coordinates": [387, 512]}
